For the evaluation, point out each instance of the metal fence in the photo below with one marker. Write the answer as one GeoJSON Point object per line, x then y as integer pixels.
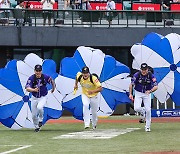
{"type": "Point", "coordinates": [79, 18]}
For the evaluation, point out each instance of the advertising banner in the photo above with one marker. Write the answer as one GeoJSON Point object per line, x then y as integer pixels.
{"type": "Point", "coordinates": [175, 7]}
{"type": "Point", "coordinates": [102, 6]}
{"type": "Point", "coordinates": [146, 7]}
{"type": "Point", "coordinates": [165, 113]}
{"type": "Point", "coordinates": [36, 5]}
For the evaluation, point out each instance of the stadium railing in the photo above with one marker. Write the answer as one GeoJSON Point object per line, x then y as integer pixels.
{"type": "Point", "coordinates": [91, 18]}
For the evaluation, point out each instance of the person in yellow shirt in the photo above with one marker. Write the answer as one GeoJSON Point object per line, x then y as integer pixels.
{"type": "Point", "coordinates": [90, 95]}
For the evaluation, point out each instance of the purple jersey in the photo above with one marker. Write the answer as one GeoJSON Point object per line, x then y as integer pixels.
{"type": "Point", "coordinates": [143, 82]}
{"type": "Point", "coordinates": [39, 83]}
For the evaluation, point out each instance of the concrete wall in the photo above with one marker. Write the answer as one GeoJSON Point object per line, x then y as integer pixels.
{"type": "Point", "coordinates": [67, 36]}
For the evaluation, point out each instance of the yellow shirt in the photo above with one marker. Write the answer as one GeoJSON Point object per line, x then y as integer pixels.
{"type": "Point", "coordinates": [88, 85]}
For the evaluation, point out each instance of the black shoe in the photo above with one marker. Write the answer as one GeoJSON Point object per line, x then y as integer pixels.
{"type": "Point", "coordinates": [94, 127]}
{"type": "Point", "coordinates": [40, 124]}
{"type": "Point", "coordinates": [86, 127]}
{"type": "Point", "coordinates": [37, 130]}
{"type": "Point", "coordinates": [141, 121]}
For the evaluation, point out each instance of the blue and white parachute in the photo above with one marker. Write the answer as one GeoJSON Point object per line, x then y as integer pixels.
{"type": "Point", "coordinates": [113, 76]}
{"type": "Point", "coordinates": [15, 102]}
{"type": "Point", "coordinates": [163, 55]}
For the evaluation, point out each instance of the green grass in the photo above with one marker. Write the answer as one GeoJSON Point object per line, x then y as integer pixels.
{"type": "Point", "coordinates": [164, 137]}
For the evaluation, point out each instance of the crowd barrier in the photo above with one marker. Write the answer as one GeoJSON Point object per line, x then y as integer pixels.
{"type": "Point", "coordinates": [93, 18]}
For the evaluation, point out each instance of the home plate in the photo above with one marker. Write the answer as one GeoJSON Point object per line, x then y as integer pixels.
{"type": "Point", "coordinates": [96, 134]}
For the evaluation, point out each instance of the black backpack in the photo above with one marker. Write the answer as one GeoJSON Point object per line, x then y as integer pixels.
{"type": "Point", "coordinates": [151, 69]}
{"type": "Point", "coordinates": [93, 74]}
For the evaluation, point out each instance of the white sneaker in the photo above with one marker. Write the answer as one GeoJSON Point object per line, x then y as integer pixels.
{"type": "Point", "coordinates": [147, 129]}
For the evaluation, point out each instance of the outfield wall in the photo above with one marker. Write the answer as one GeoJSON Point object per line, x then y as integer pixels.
{"type": "Point", "coordinates": [68, 36]}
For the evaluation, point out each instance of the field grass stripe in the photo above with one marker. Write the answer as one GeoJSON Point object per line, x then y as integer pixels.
{"type": "Point", "coordinates": [14, 150]}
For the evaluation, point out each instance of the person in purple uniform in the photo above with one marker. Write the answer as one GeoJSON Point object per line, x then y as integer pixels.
{"type": "Point", "coordinates": [144, 84]}
{"type": "Point", "coordinates": [36, 84]}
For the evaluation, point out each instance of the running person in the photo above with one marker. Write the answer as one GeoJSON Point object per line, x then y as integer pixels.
{"type": "Point", "coordinates": [90, 95]}
{"type": "Point", "coordinates": [36, 84]}
{"type": "Point", "coordinates": [144, 84]}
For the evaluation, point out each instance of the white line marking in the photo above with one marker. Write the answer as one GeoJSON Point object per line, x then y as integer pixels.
{"type": "Point", "coordinates": [96, 134]}
{"type": "Point", "coordinates": [14, 150]}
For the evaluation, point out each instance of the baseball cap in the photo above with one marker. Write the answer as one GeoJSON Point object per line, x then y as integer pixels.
{"type": "Point", "coordinates": [144, 66]}
{"type": "Point", "coordinates": [38, 68]}
{"type": "Point", "coordinates": [85, 69]}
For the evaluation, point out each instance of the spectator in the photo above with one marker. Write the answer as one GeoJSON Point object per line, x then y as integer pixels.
{"type": "Point", "coordinates": [25, 16]}
{"type": "Point", "coordinates": [19, 21]}
{"type": "Point", "coordinates": [66, 4]}
{"type": "Point", "coordinates": [75, 4]}
{"type": "Point", "coordinates": [84, 5]}
{"type": "Point", "coordinates": [47, 5]}
{"type": "Point", "coordinates": [167, 15]}
{"type": "Point", "coordinates": [110, 6]}
{"type": "Point", "coordinates": [20, 5]}
{"type": "Point", "coordinates": [166, 5]}
{"type": "Point", "coordinates": [5, 4]}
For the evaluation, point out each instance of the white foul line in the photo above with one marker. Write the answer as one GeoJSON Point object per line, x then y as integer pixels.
{"type": "Point", "coordinates": [14, 150]}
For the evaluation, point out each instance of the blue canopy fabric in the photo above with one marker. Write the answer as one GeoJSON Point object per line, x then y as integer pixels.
{"type": "Point", "coordinates": [15, 101]}
{"type": "Point", "coordinates": [113, 76]}
{"type": "Point", "coordinates": [163, 55]}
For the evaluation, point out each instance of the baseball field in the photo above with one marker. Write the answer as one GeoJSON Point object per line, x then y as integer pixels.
{"type": "Point", "coordinates": [114, 135]}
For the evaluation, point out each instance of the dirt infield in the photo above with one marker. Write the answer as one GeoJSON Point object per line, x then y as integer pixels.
{"type": "Point", "coordinates": [163, 152]}
{"type": "Point", "coordinates": [154, 120]}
